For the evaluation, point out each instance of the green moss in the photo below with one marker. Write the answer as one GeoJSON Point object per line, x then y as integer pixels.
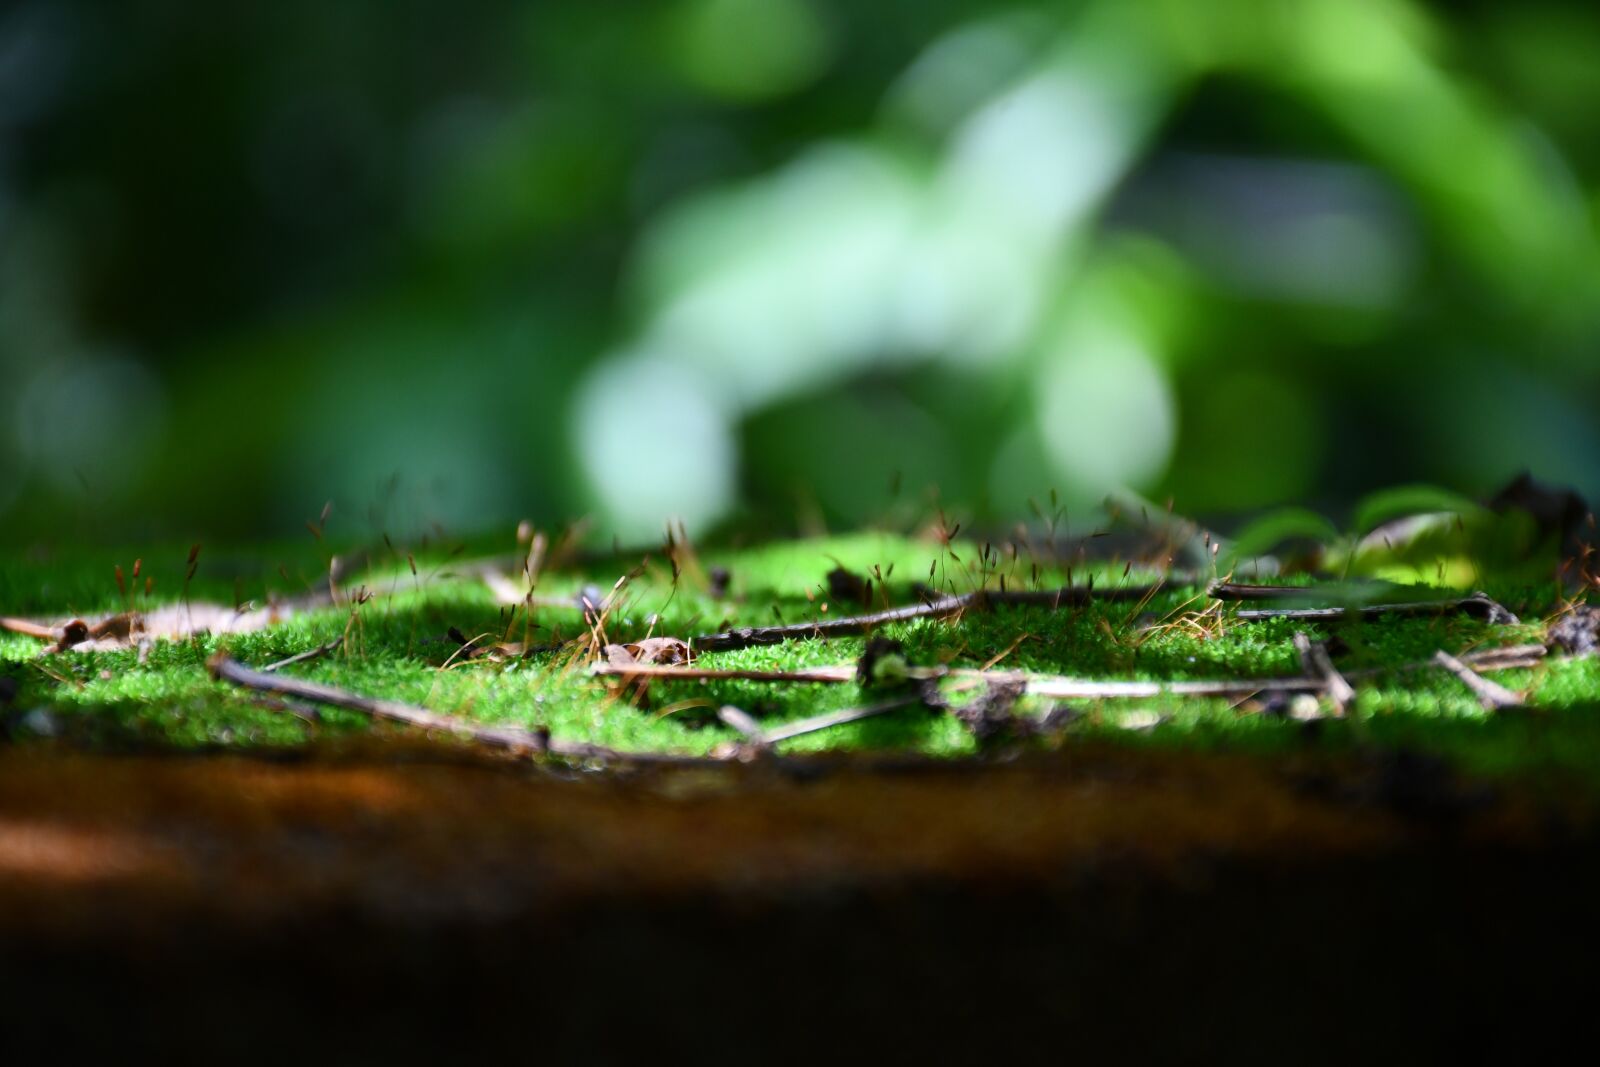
{"type": "Point", "coordinates": [397, 648]}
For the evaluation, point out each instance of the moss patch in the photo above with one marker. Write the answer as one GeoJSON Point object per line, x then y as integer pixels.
{"type": "Point", "coordinates": [397, 647]}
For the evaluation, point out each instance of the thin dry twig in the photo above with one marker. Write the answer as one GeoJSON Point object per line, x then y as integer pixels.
{"type": "Point", "coordinates": [1478, 605]}
{"type": "Point", "coordinates": [741, 720]}
{"type": "Point", "coordinates": [937, 608]}
{"type": "Point", "coordinates": [1045, 685]}
{"type": "Point", "coordinates": [1037, 684]}
{"type": "Point", "coordinates": [1491, 695]}
{"type": "Point", "coordinates": [303, 657]}
{"type": "Point", "coordinates": [1505, 658]}
{"type": "Point", "coordinates": [1250, 591]}
{"type": "Point", "coordinates": [1317, 664]}
{"type": "Point", "coordinates": [1509, 657]}
{"type": "Point", "coordinates": [1086, 689]}
{"type": "Point", "coordinates": [510, 738]}
{"type": "Point", "coordinates": [29, 628]}
{"type": "Point", "coordinates": [846, 673]}
{"type": "Point", "coordinates": [789, 731]}
{"type": "Point", "coordinates": [118, 629]}
{"type": "Point", "coordinates": [127, 629]}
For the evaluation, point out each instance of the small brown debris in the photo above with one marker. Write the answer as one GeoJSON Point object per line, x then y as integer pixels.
{"type": "Point", "coordinates": [882, 664]}
{"type": "Point", "coordinates": [666, 651]}
{"type": "Point", "coordinates": [991, 716]}
{"type": "Point", "coordinates": [846, 586]}
{"type": "Point", "coordinates": [1578, 631]}
{"type": "Point", "coordinates": [70, 633]}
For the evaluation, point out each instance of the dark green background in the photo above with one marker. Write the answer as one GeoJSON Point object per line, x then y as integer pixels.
{"type": "Point", "coordinates": [255, 257]}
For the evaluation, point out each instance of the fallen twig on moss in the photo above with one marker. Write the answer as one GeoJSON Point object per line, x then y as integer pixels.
{"type": "Point", "coordinates": [303, 657]}
{"type": "Point", "coordinates": [791, 730]}
{"type": "Point", "coordinates": [759, 741]}
{"type": "Point", "coordinates": [1037, 684]}
{"type": "Point", "coordinates": [1504, 658]}
{"type": "Point", "coordinates": [1491, 695]}
{"type": "Point", "coordinates": [1318, 664]}
{"type": "Point", "coordinates": [1045, 685]}
{"type": "Point", "coordinates": [741, 720]}
{"type": "Point", "coordinates": [510, 738]}
{"type": "Point", "coordinates": [827, 675]}
{"type": "Point", "coordinates": [1085, 689]}
{"type": "Point", "coordinates": [1249, 591]}
{"type": "Point", "coordinates": [29, 628]}
{"type": "Point", "coordinates": [937, 608]}
{"type": "Point", "coordinates": [171, 622]}
{"type": "Point", "coordinates": [1478, 605]}
{"type": "Point", "coordinates": [117, 628]}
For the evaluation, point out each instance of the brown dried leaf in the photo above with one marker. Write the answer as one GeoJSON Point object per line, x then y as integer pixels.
{"type": "Point", "coordinates": [668, 651]}
{"type": "Point", "coordinates": [129, 628]}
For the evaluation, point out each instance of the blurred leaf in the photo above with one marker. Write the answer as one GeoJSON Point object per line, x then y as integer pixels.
{"type": "Point", "coordinates": [1276, 527]}
{"type": "Point", "coordinates": [751, 49]}
{"type": "Point", "coordinates": [1401, 501]}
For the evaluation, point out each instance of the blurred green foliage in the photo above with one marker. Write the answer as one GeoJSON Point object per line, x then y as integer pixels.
{"type": "Point", "coordinates": [713, 257]}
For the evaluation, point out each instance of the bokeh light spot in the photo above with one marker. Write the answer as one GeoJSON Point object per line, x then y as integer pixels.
{"type": "Point", "coordinates": [1105, 410]}
{"type": "Point", "coordinates": [653, 446]}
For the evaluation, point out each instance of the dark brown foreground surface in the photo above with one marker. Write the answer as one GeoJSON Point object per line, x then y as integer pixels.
{"type": "Point", "coordinates": [406, 905]}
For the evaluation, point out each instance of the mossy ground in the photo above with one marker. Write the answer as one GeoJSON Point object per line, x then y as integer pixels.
{"type": "Point", "coordinates": [396, 647]}
{"type": "Point", "coordinates": [1226, 875]}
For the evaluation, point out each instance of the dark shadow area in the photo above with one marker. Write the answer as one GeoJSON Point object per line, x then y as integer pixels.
{"type": "Point", "coordinates": [1097, 902]}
